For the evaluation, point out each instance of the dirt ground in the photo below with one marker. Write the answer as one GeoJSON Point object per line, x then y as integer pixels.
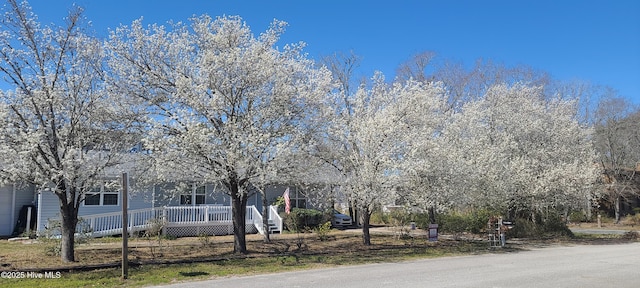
{"type": "Point", "coordinates": [34, 255]}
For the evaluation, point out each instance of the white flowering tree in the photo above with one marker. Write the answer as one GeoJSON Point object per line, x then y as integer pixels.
{"type": "Point", "coordinates": [433, 180]}
{"type": "Point", "coordinates": [59, 128]}
{"type": "Point", "coordinates": [522, 153]}
{"type": "Point", "coordinates": [427, 166]}
{"type": "Point", "coordinates": [370, 134]}
{"type": "Point", "coordinates": [223, 105]}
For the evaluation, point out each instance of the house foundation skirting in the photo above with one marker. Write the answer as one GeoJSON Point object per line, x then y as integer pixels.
{"type": "Point", "coordinates": [199, 229]}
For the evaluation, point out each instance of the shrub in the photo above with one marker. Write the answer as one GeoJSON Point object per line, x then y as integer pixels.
{"type": "Point", "coordinates": [605, 218]}
{"type": "Point", "coordinates": [477, 220]}
{"type": "Point", "coordinates": [205, 239]}
{"type": "Point", "coordinates": [154, 233]}
{"type": "Point", "coordinates": [300, 220]}
{"type": "Point", "coordinates": [554, 226]}
{"type": "Point", "coordinates": [399, 218]}
{"type": "Point", "coordinates": [279, 202]}
{"type": "Point", "coordinates": [84, 232]}
{"type": "Point", "coordinates": [379, 217]}
{"type": "Point", "coordinates": [422, 220]}
{"type": "Point", "coordinates": [524, 228]}
{"type": "Point", "coordinates": [578, 217]}
{"type": "Point", "coordinates": [52, 238]}
{"type": "Point", "coordinates": [472, 222]}
{"type": "Point", "coordinates": [632, 220]}
{"type": "Point", "coordinates": [454, 223]}
{"type": "Point", "coordinates": [323, 231]}
{"type": "Point", "coordinates": [631, 235]}
{"type": "Point", "coordinates": [548, 228]}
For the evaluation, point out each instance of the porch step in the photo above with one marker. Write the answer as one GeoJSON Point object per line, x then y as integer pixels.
{"type": "Point", "coordinates": [273, 228]}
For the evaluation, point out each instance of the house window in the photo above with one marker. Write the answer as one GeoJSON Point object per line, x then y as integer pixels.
{"type": "Point", "coordinates": [301, 203]}
{"type": "Point", "coordinates": [298, 199]}
{"type": "Point", "coordinates": [109, 199]}
{"type": "Point", "coordinates": [104, 195]}
{"type": "Point", "coordinates": [200, 195]}
{"type": "Point", "coordinates": [185, 199]}
{"type": "Point", "coordinates": [194, 195]}
{"type": "Point", "coordinates": [92, 199]}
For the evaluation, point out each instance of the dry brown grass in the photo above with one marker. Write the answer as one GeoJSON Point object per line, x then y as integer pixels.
{"type": "Point", "coordinates": [31, 255]}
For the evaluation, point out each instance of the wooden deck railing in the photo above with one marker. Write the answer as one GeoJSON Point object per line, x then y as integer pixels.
{"type": "Point", "coordinates": [275, 217]}
{"type": "Point", "coordinates": [106, 224]}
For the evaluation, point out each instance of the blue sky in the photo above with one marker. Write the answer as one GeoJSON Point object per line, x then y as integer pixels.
{"type": "Point", "coordinates": [594, 41]}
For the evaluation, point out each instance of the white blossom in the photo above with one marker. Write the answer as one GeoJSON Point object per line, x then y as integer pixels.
{"type": "Point", "coordinates": [223, 105]}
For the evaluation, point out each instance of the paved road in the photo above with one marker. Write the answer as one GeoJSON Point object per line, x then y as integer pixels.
{"type": "Point", "coordinates": [575, 266]}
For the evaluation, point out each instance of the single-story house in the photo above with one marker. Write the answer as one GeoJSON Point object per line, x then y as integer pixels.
{"type": "Point", "coordinates": [103, 207]}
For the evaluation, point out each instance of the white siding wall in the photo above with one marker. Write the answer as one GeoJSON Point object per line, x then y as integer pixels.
{"type": "Point", "coordinates": [215, 194]}
{"type": "Point", "coordinates": [136, 201]}
{"type": "Point", "coordinates": [49, 207]}
{"type": "Point", "coordinates": [164, 197]}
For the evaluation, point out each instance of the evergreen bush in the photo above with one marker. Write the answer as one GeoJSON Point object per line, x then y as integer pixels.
{"type": "Point", "coordinates": [300, 220]}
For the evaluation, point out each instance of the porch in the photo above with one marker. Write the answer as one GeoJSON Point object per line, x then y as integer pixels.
{"type": "Point", "coordinates": [178, 221]}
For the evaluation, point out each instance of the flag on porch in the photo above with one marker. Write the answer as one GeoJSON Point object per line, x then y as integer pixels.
{"type": "Point", "coordinates": [287, 201]}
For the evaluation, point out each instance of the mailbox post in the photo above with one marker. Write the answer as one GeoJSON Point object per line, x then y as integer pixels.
{"type": "Point", "coordinates": [433, 232]}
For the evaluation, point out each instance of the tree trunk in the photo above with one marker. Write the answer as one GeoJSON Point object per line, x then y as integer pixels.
{"type": "Point", "coordinates": [352, 213]}
{"type": "Point", "coordinates": [239, 212]}
{"type": "Point", "coordinates": [366, 236]}
{"type": "Point", "coordinates": [265, 218]}
{"type": "Point", "coordinates": [533, 215]}
{"type": "Point", "coordinates": [617, 209]}
{"type": "Point", "coordinates": [67, 230]}
{"type": "Point", "coordinates": [432, 215]}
